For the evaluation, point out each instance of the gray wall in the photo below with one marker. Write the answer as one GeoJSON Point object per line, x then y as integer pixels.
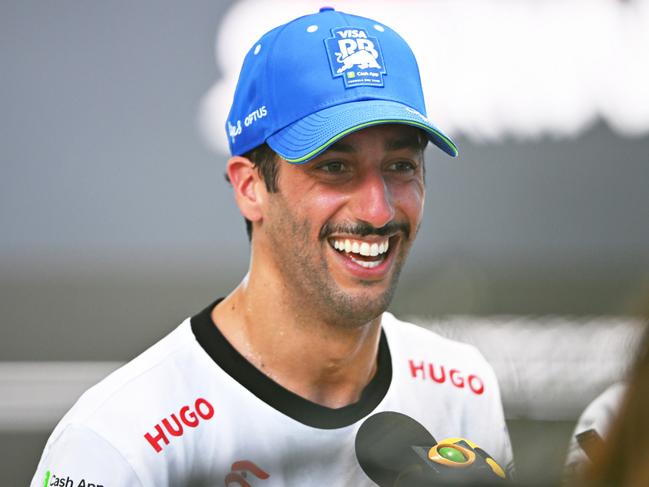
{"type": "Point", "coordinates": [115, 221]}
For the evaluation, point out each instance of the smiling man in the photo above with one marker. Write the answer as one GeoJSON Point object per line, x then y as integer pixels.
{"type": "Point", "coordinates": [271, 385]}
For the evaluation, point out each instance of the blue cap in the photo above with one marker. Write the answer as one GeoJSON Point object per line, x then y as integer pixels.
{"type": "Point", "coordinates": [308, 83]}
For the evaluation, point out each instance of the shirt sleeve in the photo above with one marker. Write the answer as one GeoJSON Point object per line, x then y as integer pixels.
{"type": "Point", "coordinates": [598, 416]}
{"type": "Point", "coordinates": [79, 456]}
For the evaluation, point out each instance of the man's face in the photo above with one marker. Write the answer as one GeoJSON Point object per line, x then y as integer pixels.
{"type": "Point", "coordinates": [340, 227]}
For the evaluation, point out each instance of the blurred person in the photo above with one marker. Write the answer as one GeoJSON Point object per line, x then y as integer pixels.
{"type": "Point", "coordinates": [592, 425]}
{"type": "Point", "coordinates": [270, 385]}
{"type": "Point", "coordinates": [621, 456]}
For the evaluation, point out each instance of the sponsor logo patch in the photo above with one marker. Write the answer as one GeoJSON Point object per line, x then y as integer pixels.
{"type": "Point", "coordinates": [356, 57]}
{"type": "Point", "coordinates": [53, 480]}
{"type": "Point", "coordinates": [437, 373]}
{"type": "Point", "coordinates": [174, 426]}
{"type": "Point", "coordinates": [234, 130]}
{"type": "Point", "coordinates": [240, 471]}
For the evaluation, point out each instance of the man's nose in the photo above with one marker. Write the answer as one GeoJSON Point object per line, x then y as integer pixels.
{"type": "Point", "coordinates": [373, 201]}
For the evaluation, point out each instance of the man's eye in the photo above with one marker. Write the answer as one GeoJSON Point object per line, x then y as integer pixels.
{"type": "Point", "coordinates": [402, 166]}
{"type": "Point", "coordinates": [333, 167]}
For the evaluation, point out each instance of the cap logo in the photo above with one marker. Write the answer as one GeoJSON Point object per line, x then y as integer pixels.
{"type": "Point", "coordinates": [355, 57]}
{"type": "Point", "coordinates": [234, 130]}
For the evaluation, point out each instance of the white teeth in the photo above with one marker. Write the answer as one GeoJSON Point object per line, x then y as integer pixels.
{"type": "Point", "coordinates": [363, 248]}
{"type": "Point", "coordinates": [367, 264]}
{"type": "Point", "coordinates": [374, 250]}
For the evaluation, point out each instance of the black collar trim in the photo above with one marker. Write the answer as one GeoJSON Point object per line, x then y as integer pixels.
{"type": "Point", "coordinates": [283, 400]}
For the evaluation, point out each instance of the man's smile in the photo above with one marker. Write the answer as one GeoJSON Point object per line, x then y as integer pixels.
{"type": "Point", "coordinates": [366, 257]}
{"type": "Point", "coordinates": [363, 253]}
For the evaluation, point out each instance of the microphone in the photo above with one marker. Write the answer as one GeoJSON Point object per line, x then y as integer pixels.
{"type": "Point", "coordinates": [394, 450]}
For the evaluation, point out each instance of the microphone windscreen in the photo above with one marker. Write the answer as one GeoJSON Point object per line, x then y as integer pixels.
{"type": "Point", "coordinates": [384, 447]}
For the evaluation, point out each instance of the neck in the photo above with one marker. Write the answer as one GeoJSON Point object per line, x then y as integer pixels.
{"type": "Point", "coordinates": [326, 363]}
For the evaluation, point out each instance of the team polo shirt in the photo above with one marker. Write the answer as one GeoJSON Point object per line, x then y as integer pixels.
{"type": "Point", "coordinates": [192, 411]}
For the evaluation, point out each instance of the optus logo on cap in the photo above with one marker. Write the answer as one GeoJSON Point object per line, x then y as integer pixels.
{"type": "Point", "coordinates": [356, 57]}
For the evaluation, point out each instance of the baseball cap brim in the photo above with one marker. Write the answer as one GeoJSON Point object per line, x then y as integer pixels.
{"type": "Point", "coordinates": [303, 140]}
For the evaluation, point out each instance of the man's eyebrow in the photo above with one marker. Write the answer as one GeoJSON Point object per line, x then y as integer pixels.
{"type": "Point", "coordinates": [412, 142]}
{"type": "Point", "coordinates": [341, 147]}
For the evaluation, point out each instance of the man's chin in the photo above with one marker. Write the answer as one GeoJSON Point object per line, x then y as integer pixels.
{"type": "Point", "coordinates": [360, 307]}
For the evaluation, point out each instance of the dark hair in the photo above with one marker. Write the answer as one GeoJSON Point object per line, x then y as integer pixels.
{"type": "Point", "coordinates": [265, 161]}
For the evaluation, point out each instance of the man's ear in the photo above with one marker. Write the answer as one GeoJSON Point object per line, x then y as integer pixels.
{"type": "Point", "coordinates": [249, 188]}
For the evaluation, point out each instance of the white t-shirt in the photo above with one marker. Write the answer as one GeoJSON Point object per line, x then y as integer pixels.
{"type": "Point", "coordinates": [192, 411]}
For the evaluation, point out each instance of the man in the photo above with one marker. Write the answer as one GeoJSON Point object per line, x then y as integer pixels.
{"type": "Point", "coordinates": [270, 385]}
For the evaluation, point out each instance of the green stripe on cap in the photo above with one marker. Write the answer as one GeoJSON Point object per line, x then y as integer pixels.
{"type": "Point", "coordinates": [449, 143]}
{"type": "Point", "coordinates": [47, 478]}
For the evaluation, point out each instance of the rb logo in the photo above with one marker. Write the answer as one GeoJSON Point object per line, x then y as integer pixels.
{"type": "Point", "coordinates": [356, 57]}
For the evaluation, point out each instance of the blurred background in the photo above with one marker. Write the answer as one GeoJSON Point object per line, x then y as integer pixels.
{"type": "Point", "coordinates": [116, 222]}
